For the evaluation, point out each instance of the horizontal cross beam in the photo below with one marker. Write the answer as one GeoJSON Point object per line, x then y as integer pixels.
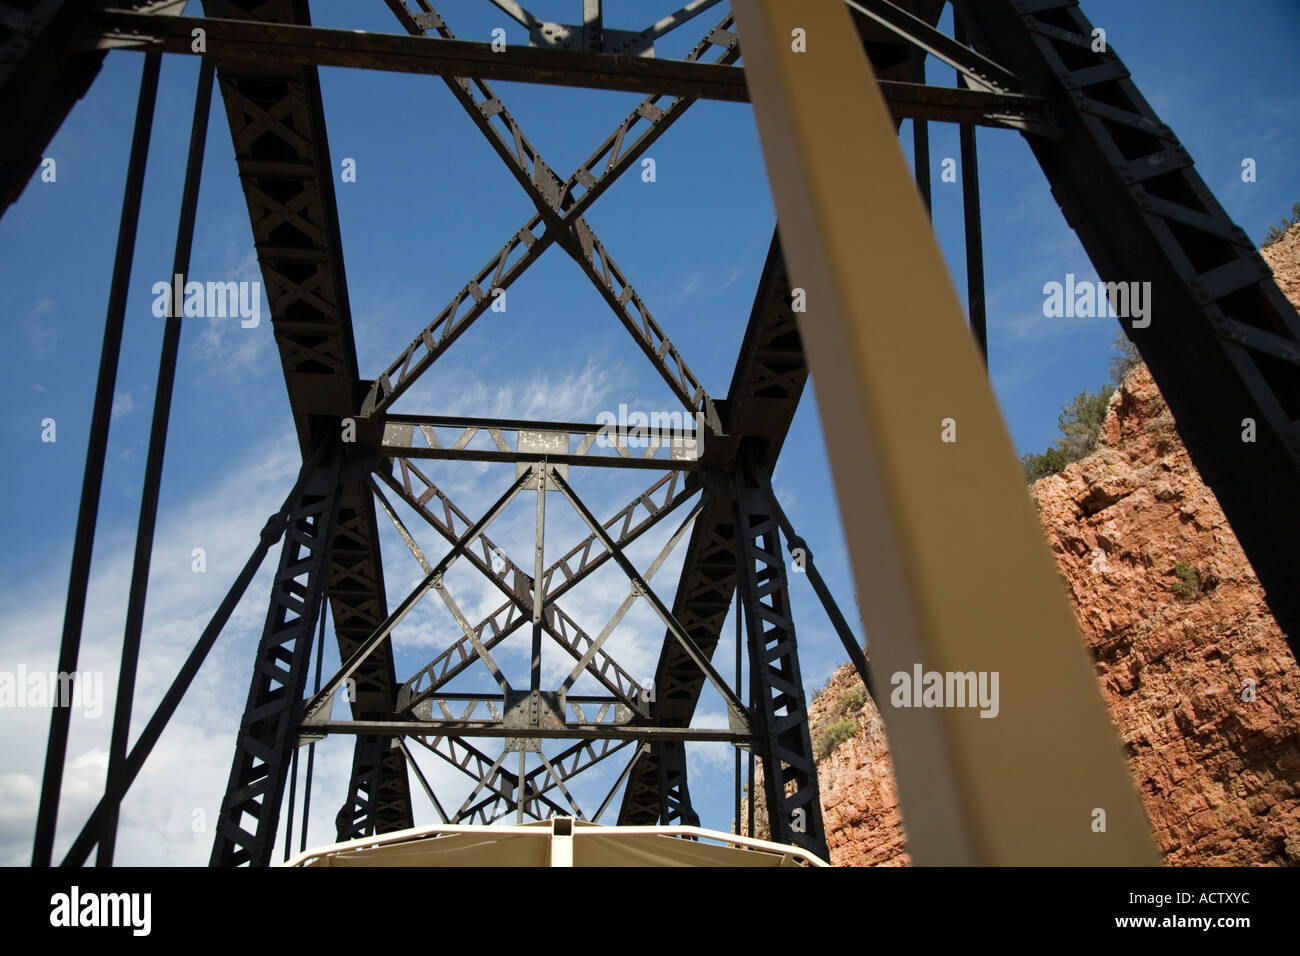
{"type": "Point", "coordinates": [487, 728]}
{"type": "Point", "coordinates": [475, 708]}
{"type": "Point", "coordinates": [307, 46]}
{"type": "Point", "coordinates": [235, 41]}
{"type": "Point", "coordinates": [672, 446]}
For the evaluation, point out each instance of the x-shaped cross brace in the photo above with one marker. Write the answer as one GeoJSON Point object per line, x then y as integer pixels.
{"type": "Point", "coordinates": [503, 622]}
{"type": "Point", "coordinates": [560, 211]}
{"type": "Point", "coordinates": [557, 624]}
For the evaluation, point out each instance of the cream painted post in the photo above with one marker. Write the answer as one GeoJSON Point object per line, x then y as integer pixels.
{"type": "Point", "coordinates": [949, 559]}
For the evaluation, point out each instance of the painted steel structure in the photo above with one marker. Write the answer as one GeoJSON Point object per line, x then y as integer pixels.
{"type": "Point", "coordinates": [1028, 65]}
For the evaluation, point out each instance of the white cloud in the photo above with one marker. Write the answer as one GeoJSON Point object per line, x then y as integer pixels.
{"type": "Point", "coordinates": [42, 333]}
{"type": "Point", "coordinates": [225, 347]}
{"type": "Point", "coordinates": [543, 396]}
{"type": "Point", "coordinates": [123, 405]}
{"type": "Point", "coordinates": [188, 769]}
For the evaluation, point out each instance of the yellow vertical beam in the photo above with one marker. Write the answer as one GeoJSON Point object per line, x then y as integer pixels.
{"type": "Point", "coordinates": [950, 562]}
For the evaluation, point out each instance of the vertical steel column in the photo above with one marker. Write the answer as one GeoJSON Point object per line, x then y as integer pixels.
{"type": "Point", "coordinates": [970, 201]}
{"type": "Point", "coordinates": [267, 732]}
{"type": "Point", "coordinates": [539, 568]}
{"type": "Point", "coordinates": [753, 673]}
{"type": "Point", "coordinates": [920, 128]}
{"type": "Point", "coordinates": [293, 792]}
{"type": "Point", "coordinates": [520, 792]}
{"type": "Point", "coordinates": [361, 814]}
{"type": "Point", "coordinates": [674, 792]}
{"type": "Point", "coordinates": [154, 459]}
{"type": "Point", "coordinates": [311, 747]}
{"type": "Point", "coordinates": [78, 579]}
{"type": "Point", "coordinates": [393, 795]}
{"type": "Point", "coordinates": [356, 818]}
{"type": "Point", "coordinates": [794, 815]}
{"type": "Point", "coordinates": [739, 644]}
{"type": "Point", "coordinates": [795, 543]}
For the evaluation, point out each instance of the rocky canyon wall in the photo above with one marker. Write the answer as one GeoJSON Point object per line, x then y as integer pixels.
{"type": "Point", "coordinates": [1200, 683]}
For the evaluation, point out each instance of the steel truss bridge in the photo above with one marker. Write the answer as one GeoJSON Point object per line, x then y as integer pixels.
{"type": "Point", "coordinates": [1120, 176]}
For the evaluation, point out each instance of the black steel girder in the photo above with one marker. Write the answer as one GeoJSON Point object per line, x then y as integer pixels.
{"type": "Point", "coordinates": [290, 44]}
{"type": "Point", "coordinates": [250, 810]}
{"type": "Point", "coordinates": [41, 78]}
{"type": "Point", "coordinates": [789, 766]}
{"type": "Point", "coordinates": [277, 124]}
{"type": "Point", "coordinates": [1130, 190]}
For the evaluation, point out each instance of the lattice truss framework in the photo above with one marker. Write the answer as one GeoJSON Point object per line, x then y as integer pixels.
{"type": "Point", "coordinates": [624, 708]}
{"type": "Point", "coordinates": [1030, 66]}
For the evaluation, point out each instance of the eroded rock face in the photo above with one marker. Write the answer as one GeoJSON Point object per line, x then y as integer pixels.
{"type": "Point", "coordinates": [1197, 675]}
{"type": "Point", "coordinates": [864, 826]}
{"type": "Point", "coordinates": [1199, 680]}
{"type": "Point", "coordinates": [1284, 258]}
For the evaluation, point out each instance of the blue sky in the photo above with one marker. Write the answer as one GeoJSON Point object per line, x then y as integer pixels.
{"type": "Point", "coordinates": [431, 205]}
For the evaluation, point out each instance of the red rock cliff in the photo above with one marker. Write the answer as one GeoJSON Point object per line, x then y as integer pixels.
{"type": "Point", "coordinates": [1182, 639]}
